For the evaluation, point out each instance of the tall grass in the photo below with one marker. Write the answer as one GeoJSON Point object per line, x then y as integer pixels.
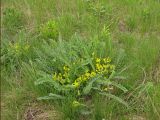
{"type": "Point", "coordinates": [39, 37]}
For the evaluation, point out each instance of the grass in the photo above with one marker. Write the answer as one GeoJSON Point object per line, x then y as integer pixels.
{"type": "Point", "coordinates": [39, 38]}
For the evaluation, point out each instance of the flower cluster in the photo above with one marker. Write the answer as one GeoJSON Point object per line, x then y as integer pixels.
{"type": "Point", "coordinates": [83, 78]}
{"type": "Point", "coordinates": [62, 78]}
{"type": "Point", "coordinates": [18, 48]}
{"type": "Point", "coordinates": [102, 66]}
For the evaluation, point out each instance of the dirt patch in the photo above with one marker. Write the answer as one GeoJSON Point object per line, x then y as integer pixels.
{"type": "Point", "coordinates": [37, 111]}
{"type": "Point", "coordinates": [122, 26]}
{"type": "Point", "coordinates": [32, 113]}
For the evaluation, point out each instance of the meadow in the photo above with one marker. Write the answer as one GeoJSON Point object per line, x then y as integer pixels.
{"type": "Point", "coordinates": [80, 59]}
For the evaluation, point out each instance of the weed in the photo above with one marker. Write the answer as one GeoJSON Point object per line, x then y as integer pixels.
{"type": "Point", "coordinates": [131, 23]}
{"type": "Point", "coordinates": [12, 19]}
{"type": "Point", "coordinates": [49, 30]}
{"type": "Point", "coordinates": [72, 76]}
{"type": "Point", "coordinates": [97, 9]}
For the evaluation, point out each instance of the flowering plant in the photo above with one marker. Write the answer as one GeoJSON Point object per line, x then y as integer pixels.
{"type": "Point", "coordinates": [102, 67]}
{"type": "Point", "coordinates": [49, 30]}
{"type": "Point", "coordinates": [78, 70]}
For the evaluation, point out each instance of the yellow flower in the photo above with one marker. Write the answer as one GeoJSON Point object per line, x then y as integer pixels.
{"type": "Point", "coordinates": [76, 104]}
{"type": "Point", "coordinates": [87, 75]}
{"type": "Point", "coordinates": [93, 74]}
{"type": "Point", "coordinates": [65, 74]}
{"type": "Point", "coordinates": [104, 66]}
{"type": "Point", "coordinates": [55, 76]}
{"type": "Point", "coordinates": [79, 79]}
{"type": "Point", "coordinates": [110, 88]}
{"type": "Point", "coordinates": [65, 68]}
{"type": "Point", "coordinates": [99, 67]}
{"type": "Point", "coordinates": [105, 89]}
{"type": "Point", "coordinates": [84, 78]}
{"type": "Point", "coordinates": [104, 60]}
{"type": "Point", "coordinates": [108, 59]}
{"type": "Point", "coordinates": [98, 60]}
{"type": "Point", "coordinates": [60, 75]}
{"type": "Point", "coordinates": [76, 84]}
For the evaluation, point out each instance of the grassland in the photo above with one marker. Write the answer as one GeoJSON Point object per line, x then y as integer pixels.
{"type": "Point", "coordinates": [41, 40]}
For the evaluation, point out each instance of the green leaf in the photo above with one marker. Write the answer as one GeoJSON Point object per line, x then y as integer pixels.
{"type": "Point", "coordinates": [57, 96]}
{"type": "Point", "coordinates": [112, 75]}
{"type": "Point", "coordinates": [119, 86]}
{"type": "Point", "coordinates": [103, 81]}
{"type": "Point", "coordinates": [85, 112]}
{"type": "Point", "coordinates": [145, 88]}
{"type": "Point", "coordinates": [115, 98]}
{"type": "Point", "coordinates": [120, 78]}
{"type": "Point", "coordinates": [88, 88]}
{"type": "Point", "coordinates": [51, 96]}
{"type": "Point", "coordinates": [42, 81]}
{"type": "Point", "coordinates": [120, 56]}
{"type": "Point", "coordinates": [44, 98]}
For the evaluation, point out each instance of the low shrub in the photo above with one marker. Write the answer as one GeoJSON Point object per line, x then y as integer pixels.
{"type": "Point", "coordinates": [15, 52]}
{"type": "Point", "coordinates": [75, 69]}
{"type": "Point", "coordinates": [49, 30]}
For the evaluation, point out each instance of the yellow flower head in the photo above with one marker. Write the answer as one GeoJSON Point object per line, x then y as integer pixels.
{"type": "Point", "coordinates": [105, 60]}
{"type": "Point", "coordinates": [87, 75]}
{"type": "Point", "coordinates": [65, 68]}
{"type": "Point", "coordinates": [79, 79]}
{"type": "Point", "coordinates": [93, 74]}
{"type": "Point", "coordinates": [55, 76]}
{"type": "Point", "coordinates": [76, 84]}
{"type": "Point", "coordinates": [108, 59]}
{"type": "Point", "coordinates": [105, 89]}
{"type": "Point", "coordinates": [104, 66]}
{"type": "Point", "coordinates": [97, 65]}
{"type": "Point", "coordinates": [110, 88]}
{"type": "Point", "coordinates": [76, 104]}
{"type": "Point", "coordinates": [98, 60]}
